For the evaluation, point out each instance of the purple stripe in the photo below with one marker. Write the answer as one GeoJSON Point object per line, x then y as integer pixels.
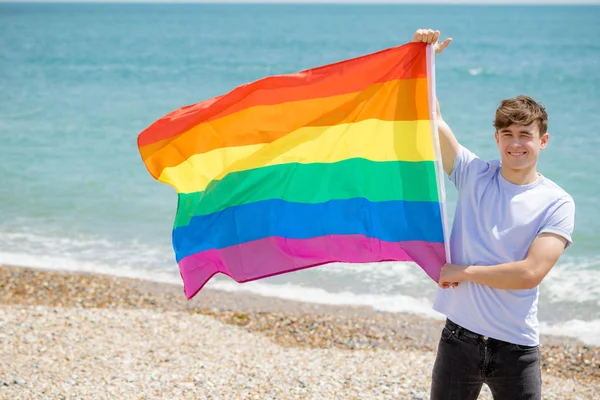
{"type": "Point", "coordinates": [278, 255]}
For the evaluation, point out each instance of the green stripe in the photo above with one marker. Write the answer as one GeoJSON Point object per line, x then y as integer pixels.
{"type": "Point", "coordinates": [314, 183]}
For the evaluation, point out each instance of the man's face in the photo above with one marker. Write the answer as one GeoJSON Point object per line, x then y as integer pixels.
{"type": "Point", "coordinates": [520, 146]}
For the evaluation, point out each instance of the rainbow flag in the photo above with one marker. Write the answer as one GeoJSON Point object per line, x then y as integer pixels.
{"type": "Point", "coordinates": [339, 163]}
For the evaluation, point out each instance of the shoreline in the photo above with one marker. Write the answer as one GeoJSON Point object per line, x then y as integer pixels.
{"type": "Point", "coordinates": [285, 324]}
{"type": "Point", "coordinates": [251, 301]}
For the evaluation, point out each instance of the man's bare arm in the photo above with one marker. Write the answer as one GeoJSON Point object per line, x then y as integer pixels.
{"type": "Point", "coordinates": [526, 274]}
{"type": "Point", "coordinates": [448, 143]}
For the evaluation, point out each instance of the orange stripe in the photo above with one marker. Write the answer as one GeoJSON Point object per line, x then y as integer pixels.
{"type": "Point", "coordinates": [354, 75]}
{"type": "Point", "coordinates": [391, 101]}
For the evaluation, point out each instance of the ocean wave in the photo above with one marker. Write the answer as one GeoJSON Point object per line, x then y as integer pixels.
{"type": "Point", "coordinates": [586, 331]}
{"type": "Point", "coordinates": [395, 303]}
{"type": "Point", "coordinates": [574, 280]}
{"type": "Point", "coordinates": [82, 248]}
{"type": "Point", "coordinates": [78, 265]}
{"type": "Point", "coordinates": [401, 273]}
{"type": "Point", "coordinates": [475, 71]}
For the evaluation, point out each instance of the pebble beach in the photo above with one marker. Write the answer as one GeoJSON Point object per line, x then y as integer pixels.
{"type": "Point", "coordinates": [83, 336]}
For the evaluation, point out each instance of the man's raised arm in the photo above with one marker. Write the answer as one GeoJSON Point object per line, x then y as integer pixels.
{"type": "Point", "coordinates": [448, 143]}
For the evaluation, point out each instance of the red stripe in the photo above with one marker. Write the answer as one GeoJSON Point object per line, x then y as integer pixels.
{"type": "Point", "coordinates": [404, 62]}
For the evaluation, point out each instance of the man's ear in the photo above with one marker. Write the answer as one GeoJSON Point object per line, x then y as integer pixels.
{"type": "Point", "coordinates": [496, 136]}
{"type": "Point", "coordinates": [544, 140]}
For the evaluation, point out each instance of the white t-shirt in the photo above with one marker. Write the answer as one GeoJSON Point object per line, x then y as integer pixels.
{"type": "Point", "coordinates": [495, 222]}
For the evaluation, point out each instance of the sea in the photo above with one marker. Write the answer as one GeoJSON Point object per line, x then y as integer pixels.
{"type": "Point", "coordinates": [79, 82]}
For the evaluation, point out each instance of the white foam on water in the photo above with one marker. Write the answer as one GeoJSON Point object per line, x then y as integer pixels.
{"type": "Point", "coordinates": [574, 280]}
{"type": "Point", "coordinates": [93, 250]}
{"type": "Point", "coordinates": [402, 273]}
{"type": "Point", "coordinates": [396, 303]}
{"type": "Point", "coordinates": [586, 331]}
{"type": "Point", "coordinates": [73, 265]}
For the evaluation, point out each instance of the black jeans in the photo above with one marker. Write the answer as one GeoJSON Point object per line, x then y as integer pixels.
{"type": "Point", "coordinates": [466, 360]}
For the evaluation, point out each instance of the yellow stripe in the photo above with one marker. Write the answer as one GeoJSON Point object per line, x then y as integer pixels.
{"type": "Point", "coordinates": [372, 139]}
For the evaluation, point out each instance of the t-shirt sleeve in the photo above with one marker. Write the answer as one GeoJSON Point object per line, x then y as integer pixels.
{"type": "Point", "coordinates": [561, 219]}
{"type": "Point", "coordinates": [467, 166]}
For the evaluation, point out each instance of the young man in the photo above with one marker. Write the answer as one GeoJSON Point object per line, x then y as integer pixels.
{"type": "Point", "coordinates": [511, 226]}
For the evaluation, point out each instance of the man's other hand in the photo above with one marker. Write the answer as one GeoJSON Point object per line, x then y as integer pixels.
{"type": "Point", "coordinates": [430, 36]}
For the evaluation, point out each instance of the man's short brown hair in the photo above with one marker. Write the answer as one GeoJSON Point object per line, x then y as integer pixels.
{"type": "Point", "coordinates": [521, 110]}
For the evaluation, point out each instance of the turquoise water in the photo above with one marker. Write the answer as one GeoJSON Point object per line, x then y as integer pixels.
{"type": "Point", "coordinates": [79, 82]}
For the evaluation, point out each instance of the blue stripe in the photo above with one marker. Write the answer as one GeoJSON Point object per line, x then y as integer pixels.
{"type": "Point", "coordinates": [391, 221]}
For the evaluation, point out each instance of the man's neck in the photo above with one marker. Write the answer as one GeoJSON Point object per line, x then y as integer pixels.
{"type": "Point", "coordinates": [521, 176]}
